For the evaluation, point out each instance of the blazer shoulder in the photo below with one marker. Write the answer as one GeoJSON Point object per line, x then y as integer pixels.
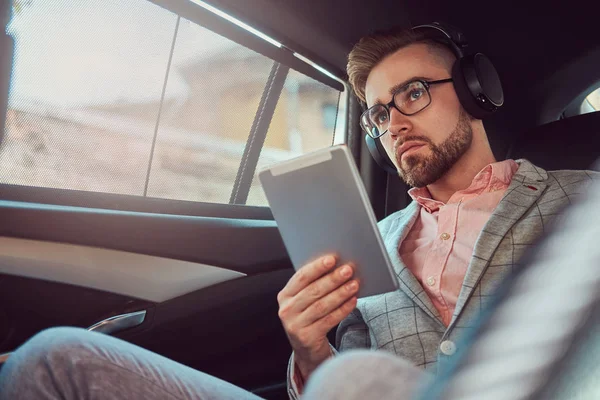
{"type": "Point", "coordinates": [572, 179]}
{"type": "Point", "coordinates": [569, 175]}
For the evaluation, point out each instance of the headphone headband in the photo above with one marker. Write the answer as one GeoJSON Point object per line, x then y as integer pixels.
{"type": "Point", "coordinates": [452, 37]}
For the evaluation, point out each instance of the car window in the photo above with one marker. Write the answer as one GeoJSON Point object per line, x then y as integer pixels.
{"type": "Point", "coordinates": [126, 97]}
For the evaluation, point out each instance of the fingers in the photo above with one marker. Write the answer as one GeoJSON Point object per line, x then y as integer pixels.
{"type": "Point", "coordinates": [322, 287]}
{"type": "Point", "coordinates": [331, 320]}
{"type": "Point", "coordinates": [307, 339]}
{"type": "Point", "coordinates": [316, 298]}
{"type": "Point", "coordinates": [329, 303]}
{"type": "Point", "coordinates": [308, 274]}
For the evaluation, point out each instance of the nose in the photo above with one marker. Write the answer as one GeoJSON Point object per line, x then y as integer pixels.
{"type": "Point", "coordinates": [400, 124]}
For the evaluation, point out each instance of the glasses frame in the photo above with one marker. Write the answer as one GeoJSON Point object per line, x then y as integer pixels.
{"type": "Point", "coordinates": [388, 106]}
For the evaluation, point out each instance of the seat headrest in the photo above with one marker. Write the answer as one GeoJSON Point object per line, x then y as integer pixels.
{"type": "Point", "coordinates": [571, 143]}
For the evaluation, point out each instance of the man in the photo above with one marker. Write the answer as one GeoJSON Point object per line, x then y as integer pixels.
{"type": "Point", "coordinates": [470, 221]}
{"type": "Point", "coordinates": [539, 338]}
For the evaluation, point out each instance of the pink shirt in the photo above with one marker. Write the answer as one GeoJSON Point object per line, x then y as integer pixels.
{"type": "Point", "coordinates": [439, 246]}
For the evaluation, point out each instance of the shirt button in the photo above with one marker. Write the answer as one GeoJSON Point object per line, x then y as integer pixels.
{"type": "Point", "coordinates": [448, 347]}
{"type": "Point", "coordinates": [445, 236]}
{"type": "Point", "coordinates": [431, 281]}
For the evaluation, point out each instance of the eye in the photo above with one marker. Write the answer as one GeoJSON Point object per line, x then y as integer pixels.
{"type": "Point", "coordinates": [381, 118]}
{"type": "Point", "coordinates": [416, 94]}
{"type": "Point", "coordinates": [378, 115]}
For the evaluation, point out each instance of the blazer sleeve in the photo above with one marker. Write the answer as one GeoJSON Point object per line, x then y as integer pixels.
{"type": "Point", "coordinates": [353, 333]}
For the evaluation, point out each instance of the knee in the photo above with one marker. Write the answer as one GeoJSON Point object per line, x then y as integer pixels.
{"type": "Point", "coordinates": [53, 343]}
{"type": "Point", "coordinates": [48, 353]}
{"type": "Point", "coordinates": [54, 348]}
{"type": "Point", "coordinates": [363, 362]}
{"type": "Point", "coordinates": [61, 336]}
{"type": "Point", "coordinates": [362, 373]}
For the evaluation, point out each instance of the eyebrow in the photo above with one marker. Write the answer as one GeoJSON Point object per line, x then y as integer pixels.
{"type": "Point", "coordinates": [400, 85]}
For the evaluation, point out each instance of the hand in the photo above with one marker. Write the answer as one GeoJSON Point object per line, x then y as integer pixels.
{"type": "Point", "coordinates": [315, 300]}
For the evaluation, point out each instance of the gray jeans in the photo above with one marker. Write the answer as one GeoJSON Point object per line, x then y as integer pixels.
{"type": "Point", "coordinates": [71, 363]}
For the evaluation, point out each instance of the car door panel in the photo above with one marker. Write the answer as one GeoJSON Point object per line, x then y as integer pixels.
{"type": "Point", "coordinates": [243, 245]}
{"type": "Point", "coordinates": [151, 278]}
{"type": "Point", "coordinates": [213, 307]}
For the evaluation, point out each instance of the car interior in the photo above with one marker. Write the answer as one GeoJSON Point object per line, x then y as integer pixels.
{"type": "Point", "coordinates": [134, 133]}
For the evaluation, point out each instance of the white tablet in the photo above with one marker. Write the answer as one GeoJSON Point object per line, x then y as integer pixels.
{"type": "Point", "coordinates": [322, 207]}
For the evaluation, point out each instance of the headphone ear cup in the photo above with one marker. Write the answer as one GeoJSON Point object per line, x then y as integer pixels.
{"type": "Point", "coordinates": [477, 85]}
{"type": "Point", "coordinates": [379, 155]}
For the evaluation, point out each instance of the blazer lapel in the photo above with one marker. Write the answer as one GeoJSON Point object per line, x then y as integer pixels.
{"type": "Point", "coordinates": [408, 282]}
{"type": "Point", "coordinates": [525, 188]}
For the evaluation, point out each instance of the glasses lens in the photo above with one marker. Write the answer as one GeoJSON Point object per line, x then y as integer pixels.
{"type": "Point", "coordinates": [375, 120]}
{"type": "Point", "coordinates": [412, 98]}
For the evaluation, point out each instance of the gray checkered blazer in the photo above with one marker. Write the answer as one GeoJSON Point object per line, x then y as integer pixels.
{"type": "Point", "coordinates": [405, 322]}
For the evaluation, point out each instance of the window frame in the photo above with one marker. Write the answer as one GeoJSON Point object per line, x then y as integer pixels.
{"type": "Point", "coordinates": [283, 59]}
{"type": "Point", "coordinates": [195, 13]}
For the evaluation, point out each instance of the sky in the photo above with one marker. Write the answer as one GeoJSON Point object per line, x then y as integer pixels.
{"type": "Point", "coordinates": [71, 53]}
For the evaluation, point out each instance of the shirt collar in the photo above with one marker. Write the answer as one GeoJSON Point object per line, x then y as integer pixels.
{"type": "Point", "coordinates": [492, 177]}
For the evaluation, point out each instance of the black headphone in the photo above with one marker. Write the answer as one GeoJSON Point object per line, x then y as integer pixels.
{"type": "Point", "coordinates": [475, 80]}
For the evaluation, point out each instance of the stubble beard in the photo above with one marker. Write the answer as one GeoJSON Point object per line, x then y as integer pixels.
{"type": "Point", "coordinates": [419, 171]}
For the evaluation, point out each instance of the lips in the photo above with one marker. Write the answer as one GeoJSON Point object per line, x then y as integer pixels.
{"type": "Point", "coordinates": [408, 147]}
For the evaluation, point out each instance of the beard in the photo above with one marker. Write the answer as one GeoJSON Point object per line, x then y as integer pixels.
{"type": "Point", "coordinates": [419, 171]}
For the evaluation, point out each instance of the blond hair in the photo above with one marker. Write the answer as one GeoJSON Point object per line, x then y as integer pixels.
{"type": "Point", "coordinates": [372, 49]}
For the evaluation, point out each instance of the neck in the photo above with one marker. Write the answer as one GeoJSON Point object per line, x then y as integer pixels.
{"type": "Point", "coordinates": [460, 176]}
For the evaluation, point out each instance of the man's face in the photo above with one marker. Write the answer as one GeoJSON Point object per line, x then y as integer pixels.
{"type": "Point", "coordinates": [426, 145]}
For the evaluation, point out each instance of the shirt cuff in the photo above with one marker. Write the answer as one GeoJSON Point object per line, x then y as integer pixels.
{"type": "Point", "coordinates": [296, 382]}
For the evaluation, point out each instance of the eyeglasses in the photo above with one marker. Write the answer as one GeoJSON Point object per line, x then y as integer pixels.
{"type": "Point", "coordinates": [409, 100]}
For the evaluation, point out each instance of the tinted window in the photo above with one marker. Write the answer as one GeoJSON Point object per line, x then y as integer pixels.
{"type": "Point", "coordinates": [129, 98]}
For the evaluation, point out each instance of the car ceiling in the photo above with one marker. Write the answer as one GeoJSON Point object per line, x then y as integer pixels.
{"type": "Point", "coordinates": [512, 33]}
{"type": "Point", "coordinates": [532, 44]}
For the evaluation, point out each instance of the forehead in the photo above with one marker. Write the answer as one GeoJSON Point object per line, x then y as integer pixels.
{"type": "Point", "coordinates": [409, 62]}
